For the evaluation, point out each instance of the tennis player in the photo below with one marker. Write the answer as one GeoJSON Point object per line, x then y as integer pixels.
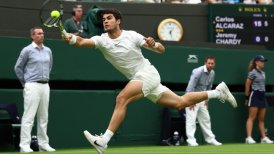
{"type": "Point", "coordinates": [122, 48]}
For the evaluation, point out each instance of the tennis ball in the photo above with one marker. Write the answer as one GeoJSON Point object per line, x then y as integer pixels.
{"type": "Point", "coordinates": [55, 14]}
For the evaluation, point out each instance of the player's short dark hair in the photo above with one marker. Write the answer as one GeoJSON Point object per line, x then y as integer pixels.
{"type": "Point", "coordinates": [116, 13]}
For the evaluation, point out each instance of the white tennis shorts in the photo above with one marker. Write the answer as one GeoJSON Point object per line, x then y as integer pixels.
{"type": "Point", "coordinates": [152, 87]}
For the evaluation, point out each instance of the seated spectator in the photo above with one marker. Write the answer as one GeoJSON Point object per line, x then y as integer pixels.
{"type": "Point", "coordinates": [192, 1]}
{"type": "Point", "coordinates": [75, 24]}
{"type": "Point", "coordinates": [215, 1]}
{"type": "Point", "coordinates": [249, 1]}
{"type": "Point", "coordinates": [175, 1]}
{"type": "Point", "coordinates": [265, 1]}
{"type": "Point", "coordinates": [231, 1]}
{"type": "Point", "coordinates": [142, 1]}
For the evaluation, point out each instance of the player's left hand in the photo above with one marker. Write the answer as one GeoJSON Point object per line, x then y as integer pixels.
{"type": "Point", "coordinates": [150, 41]}
{"type": "Point", "coordinates": [192, 107]}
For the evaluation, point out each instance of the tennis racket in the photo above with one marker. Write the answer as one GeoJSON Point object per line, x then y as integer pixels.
{"type": "Point", "coordinates": [47, 20]}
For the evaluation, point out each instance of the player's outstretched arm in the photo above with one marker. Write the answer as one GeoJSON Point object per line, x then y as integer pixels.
{"type": "Point", "coordinates": [78, 41]}
{"type": "Point", "coordinates": [154, 46]}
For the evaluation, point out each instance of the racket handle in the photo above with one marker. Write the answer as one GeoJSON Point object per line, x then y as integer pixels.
{"type": "Point", "coordinates": [64, 32]}
{"type": "Point", "coordinates": [73, 39]}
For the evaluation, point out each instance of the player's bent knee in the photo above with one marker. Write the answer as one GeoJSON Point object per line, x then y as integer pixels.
{"type": "Point", "coordinates": [120, 100]}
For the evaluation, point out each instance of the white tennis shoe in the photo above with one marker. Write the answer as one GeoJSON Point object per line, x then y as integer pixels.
{"type": "Point", "coordinates": [266, 140]}
{"type": "Point", "coordinates": [226, 94]}
{"type": "Point", "coordinates": [250, 140]}
{"type": "Point", "coordinates": [192, 143]}
{"type": "Point", "coordinates": [25, 149]}
{"type": "Point", "coordinates": [96, 141]}
{"type": "Point", "coordinates": [214, 142]}
{"type": "Point", "coordinates": [46, 148]}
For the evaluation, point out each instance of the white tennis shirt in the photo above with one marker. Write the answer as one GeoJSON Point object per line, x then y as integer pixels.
{"type": "Point", "coordinates": [124, 52]}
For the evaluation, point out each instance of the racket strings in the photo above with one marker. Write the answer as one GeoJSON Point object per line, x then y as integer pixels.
{"type": "Point", "coordinates": [52, 22]}
{"type": "Point", "coordinates": [48, 21]}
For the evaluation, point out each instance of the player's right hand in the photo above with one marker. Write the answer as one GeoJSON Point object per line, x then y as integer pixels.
{"type": "Point", "coordinates": [67, 37]}
{"type": "Point", "coordinates": [70, 38]}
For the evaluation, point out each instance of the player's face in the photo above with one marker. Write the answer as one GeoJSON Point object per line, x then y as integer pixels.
{"type": "Point", "coordinates": [110, 23]}
{"type": "Point", "coordinates": [38, 36]}
{"type": "Point", "coordinates": [210, 64]}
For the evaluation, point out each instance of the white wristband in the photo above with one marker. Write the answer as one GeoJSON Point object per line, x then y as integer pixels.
{"type": "Point", "coordinates": [73, 39]}
{"type": "Point", "coordinates": [156, 45]}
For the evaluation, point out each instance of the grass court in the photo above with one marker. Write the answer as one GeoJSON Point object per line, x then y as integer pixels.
{"type": "Point", "coordinates": [202, 149]}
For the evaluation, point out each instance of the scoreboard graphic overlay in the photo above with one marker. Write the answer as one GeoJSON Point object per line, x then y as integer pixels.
{"type": "Point", "coordinates": [242, 24]}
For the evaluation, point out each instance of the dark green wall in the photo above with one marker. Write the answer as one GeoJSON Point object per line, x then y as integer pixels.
{"type": "Point", "coordinates": [85, 64]}
{"type": "Point", "coordinates": [72, 111]}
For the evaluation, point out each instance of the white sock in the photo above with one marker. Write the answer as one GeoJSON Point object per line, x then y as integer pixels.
{"type": "Point", "coordinates": [213, 94]}
{"type": "Point", "coordinates": [108, 135]}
